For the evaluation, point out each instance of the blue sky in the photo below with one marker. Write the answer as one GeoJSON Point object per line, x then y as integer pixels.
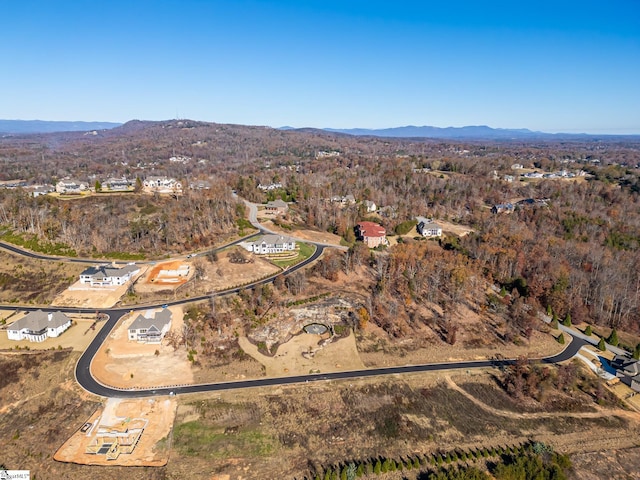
{"type": "Point", "coordinates": [545, 65]}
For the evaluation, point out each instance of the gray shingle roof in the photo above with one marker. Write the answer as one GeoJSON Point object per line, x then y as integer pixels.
{"type": "Point", "coordinates": [39, 320]}
{"type": "Point", "coordinates": [159, 320]}
{"type": "Point", "coordinates": [109, 271]}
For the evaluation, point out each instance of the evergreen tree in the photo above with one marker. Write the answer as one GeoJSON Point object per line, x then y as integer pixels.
{"type": "Point", "coordinates": [567, 320]}
{"type": "Point", "coordinates": [613, 338]}
{"type": "Point", "coordinates": [377, 469]}
{"type": "Point", "coordinates": [587, 331]}
{"type": "Point", "coordinates": [602, 346]}
{"type": "Point", "coordinates": [561, 339]}
{"type": "Point", "coordinates": [549, 311]}
{"type": "Point", "coordinates": [554, 321]}
{"type": "Point", "coordinates": [636, 352]}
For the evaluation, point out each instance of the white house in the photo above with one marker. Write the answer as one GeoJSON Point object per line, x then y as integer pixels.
{"type": "Point", "coordinates": [38, 190]}
{"type": "Point", "coordinates": [428, 228]}
{"type": "Point", "coordinates": [38, 326]}
{"type": "Point", "coordinates": [370, 206]}
{"type": "Point", "coordinates": [150, 328]}
{"type": "Point", "coordinates": [108, 276]}
{"type": "Point", "coordinates": [70, 186]}
{"type": "Point", "coordinates": [162, 185]}
{"type": "Point", "coordinates": [270, 244]}
{"type": "Point", "coordinates": [117, 184]}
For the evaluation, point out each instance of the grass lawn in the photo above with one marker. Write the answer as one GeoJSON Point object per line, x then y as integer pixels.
{"type": "Point", "coordinates": [304, 251]}
{"type": "Point", "coordinates": [198, 439]}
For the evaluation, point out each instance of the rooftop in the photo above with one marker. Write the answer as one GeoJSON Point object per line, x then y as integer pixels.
{"type": "Point", "coordinates": [38, 321]}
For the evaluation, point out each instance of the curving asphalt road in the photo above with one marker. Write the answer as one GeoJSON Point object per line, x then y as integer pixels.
{"type": "Point", "coordinates": [89, 383]}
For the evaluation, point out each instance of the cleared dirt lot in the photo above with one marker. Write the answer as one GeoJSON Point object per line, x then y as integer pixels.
{"type": "Point", "coordinates": [84, 296]}
{"type": "Point", "coordinates": [124, 363]}
{"type": "Point", "coordinates": [165, 275]}
{"type": "Point", "coordinates": [338, 355]}
{"type": "Point", "coordinates": [157, 414]}
{"type": "Point", "coordinates": [225, 274]}
{"type": "Point", "coordinates": [305, 234]}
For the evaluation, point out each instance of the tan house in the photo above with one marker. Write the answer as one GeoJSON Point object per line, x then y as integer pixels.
{"type": "Point", "coordinates": [277, 207]}
{"type": "Point", "coordinates": [372, 234]}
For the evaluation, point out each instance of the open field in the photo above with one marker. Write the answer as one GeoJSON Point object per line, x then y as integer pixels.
{"type": "Point", "coordinates": [33, 281]}
{"type": "Point", "coordinates": [284, 432]}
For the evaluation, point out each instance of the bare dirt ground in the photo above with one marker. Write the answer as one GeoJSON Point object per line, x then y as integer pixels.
{"type": "Point", "coordinates": [76, 337]}
{"type": "Point", "coordinates": [157, 414]}
{"type": "Point", "coordinates": [224, 274]}
{"type": "Point", "coordinates": [124, 363]}
{"type": "Point", "coordinates": [84, 296]}
{"type": "Point", "coordinates": [288, 359]}
{"type": "Point", "coordinates": [154, 281]}
{"type": "Point", "coordinates": [218, 275]}
{"type": "Point", "coordinates": [304, 234]}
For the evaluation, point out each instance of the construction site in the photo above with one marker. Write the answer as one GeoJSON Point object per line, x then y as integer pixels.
{"type": "Point", "coordinates": [123, 432]}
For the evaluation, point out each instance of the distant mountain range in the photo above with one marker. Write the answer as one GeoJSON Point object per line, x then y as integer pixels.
{"type": "Point", "coordinates": [481, 132]}
{"type": "Point", "coordinates": [42, 126]}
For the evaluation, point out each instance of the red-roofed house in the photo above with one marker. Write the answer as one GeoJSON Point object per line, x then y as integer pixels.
{"type": "Point", "coordinates": [371, 233]}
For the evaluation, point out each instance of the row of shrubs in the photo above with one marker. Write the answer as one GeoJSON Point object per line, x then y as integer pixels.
{"type": "Point", "coordinates": [308, 300]}
{"type": "Point", "coordinates": [358, 468]}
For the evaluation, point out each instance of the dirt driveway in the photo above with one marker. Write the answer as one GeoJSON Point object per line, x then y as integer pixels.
{"type": "Point", "coordinates": [339, 355]}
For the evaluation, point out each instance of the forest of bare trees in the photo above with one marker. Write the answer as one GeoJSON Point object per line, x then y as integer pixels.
{"type": "Point", "coordinates": [577, 253]}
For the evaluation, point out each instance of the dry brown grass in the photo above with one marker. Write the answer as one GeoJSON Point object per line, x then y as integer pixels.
{"type": "Point", "coordinates": [29, 280]}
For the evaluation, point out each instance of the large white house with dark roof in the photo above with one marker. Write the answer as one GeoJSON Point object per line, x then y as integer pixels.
{"type": "Point", "coordinates": [428, 228]}
{"type": "Point", "coordinates": [150, 328]}
{"type": "Point", "coordinates": [270, 244]}
{"type": "Point", "coordinates": [108, 275]}
{"type": "Point", "coordinates": [38, 326]}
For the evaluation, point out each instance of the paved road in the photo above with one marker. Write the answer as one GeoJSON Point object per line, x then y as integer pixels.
{"type": "Point", "coordinates": [86, 380]}
{"type": "Point", "coordinates": [589, 340]}
{"type": "Point", "coordinates": [253, 219]}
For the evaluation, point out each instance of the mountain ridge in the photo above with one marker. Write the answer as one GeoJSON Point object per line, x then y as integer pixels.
{"type": "Point", "coordinates": [465, 132]}
{"type": "Point", "coordinates": [50, 126]}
